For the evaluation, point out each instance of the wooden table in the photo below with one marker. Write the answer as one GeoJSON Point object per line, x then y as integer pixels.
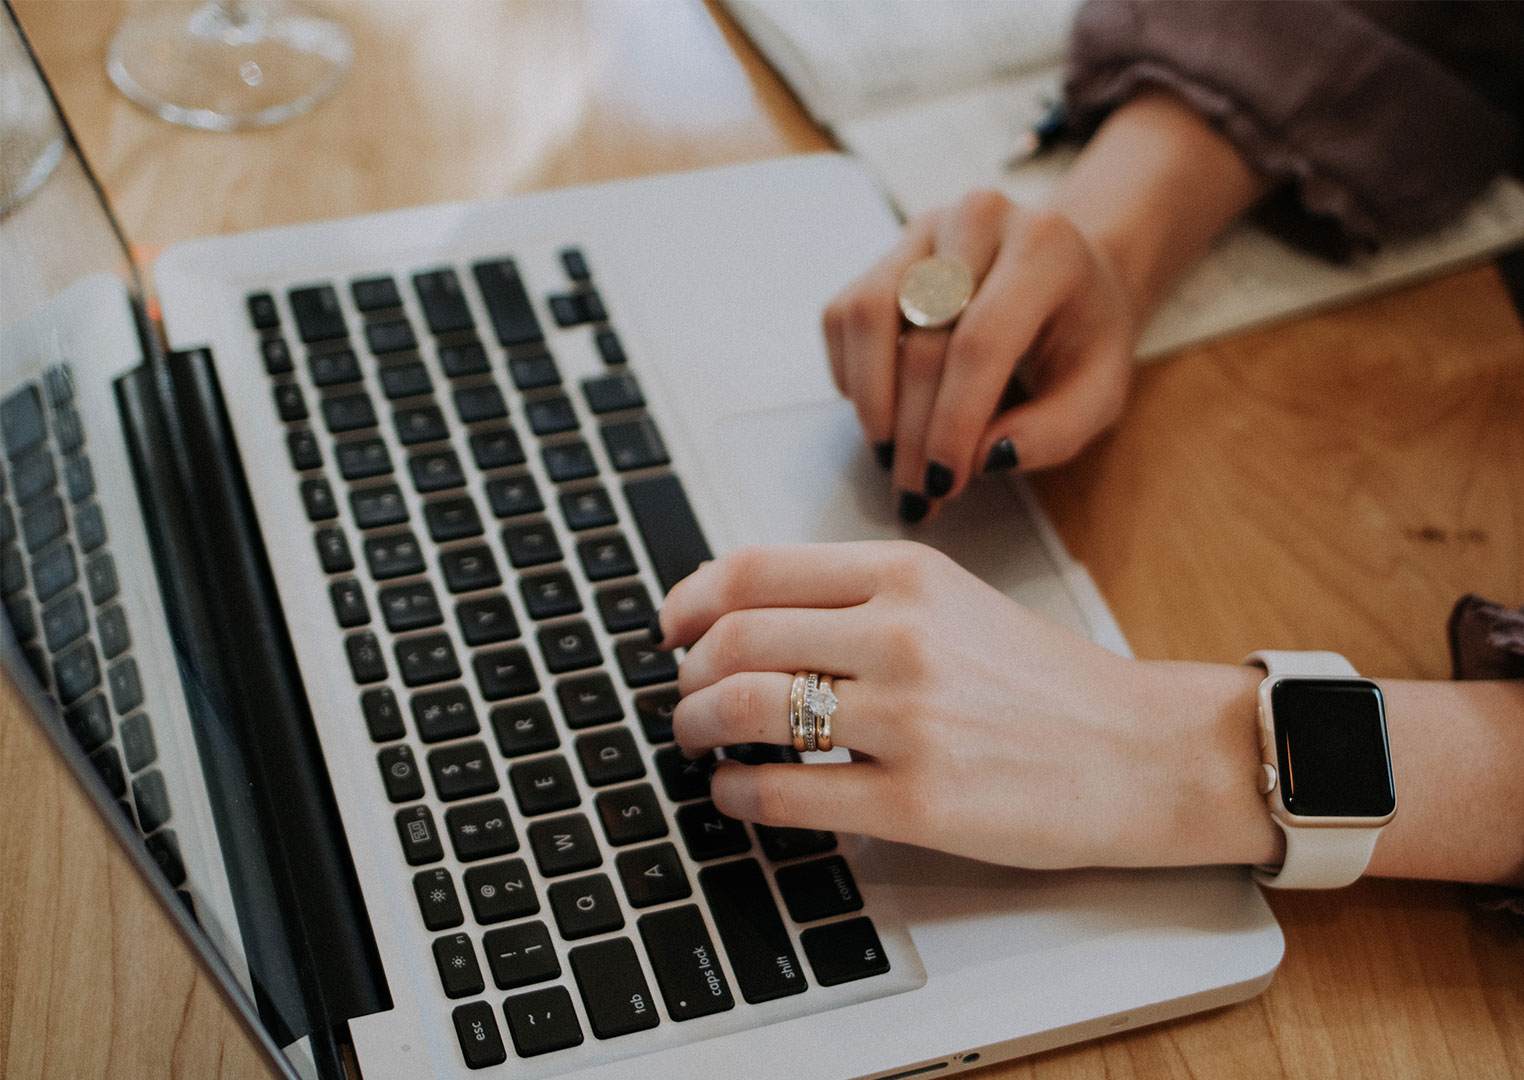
{"type": "Point", "coordinates": [1326, 483]}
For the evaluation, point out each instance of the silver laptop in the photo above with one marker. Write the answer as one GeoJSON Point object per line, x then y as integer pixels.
{"type": "Point", "coordinates": [336, 603]}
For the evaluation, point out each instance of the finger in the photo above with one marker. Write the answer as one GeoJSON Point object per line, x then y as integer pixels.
{"type": "Point", "coordinates": [921, 356]}
{"type": "Point", "coordinates": [837, 796]}
{"type": "Point", "coordinates": [753, 706]}
{"type": "Point", "coordinates": [773, 639]}
{"type": "Point", "coordinates": [782, 576]}
{"type": "Point", "coordinates": [832, 322]}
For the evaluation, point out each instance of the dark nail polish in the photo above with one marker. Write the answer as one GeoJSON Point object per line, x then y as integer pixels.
{"type": "Point", "coordinates": [884, 452]}
{"type": "Point", "coordinates": [1002, 457]}
{"type": "Point", "coordinates": [939, 479]}
{"type": "Point", "coordinates": [656, 629]}
{"type": "Point", "coordinates": [913, 507]}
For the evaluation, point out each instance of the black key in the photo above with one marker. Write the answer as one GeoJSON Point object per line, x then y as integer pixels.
{"type": "Point", "coordinates": [510, 496]}
{"type": "Point", "coordinates": [642, 664]}
{"type": "Point", "coordinates": [420, 839]}
{"type": "Point", "coordinates": [100, 575]}
{"type": "Point", "coordinates": [349, 605]}
{"type": "Point", "coordinates": [534, 372]}
{"type": "Point", "coordinates": [53, 571]}
{"type": "Point", "coordinates": [486, 620]}
{"type": "Point", "coordinates": [761, 955]}
{"type": "Point", "coordinates": [375, 294]}
{"type": "Point", "coordinates": [437, 900]}
{"type": "Point", "coordinates": [470, 568]}
{"type": "Point", "coordinates": [333, 368]}
{"type": "Point", "coordinates": [444, 714]}
{"type": "Point", "coordinates": [780, 843]}
{"type": "Point", "coordinates": [363, 458]}
{"type": "Point", "coordinates": [317, 311]}
{"type": "Point", "coordinates": [501, 891]}
{"type": "Point", "coordinates": [653, 875]}
{"type": "Point", "coordinates": [151, 800]}
{"type": "Point", "coordinates": [366, 661]}
{"type": "Point", "coordinates": [89, 528]}
{"type": "Point", "coordinates": [587, 508]}
{"type": "Point", "coordinates": [90, 722]}
{"type": "Point", "coordinates": [496, 449]}
{"type": "Point", "coordinates": [605, 557]}
{"type": "Point", "coordinates": [481, 830]}
{"type": "Point", "coordinates": [609, 348]}
{"type": "Point", "coordinates": [420, 424]}
{"type": "Point", "coordinates": [686, 965]}
{"type": "Point", "coordinates": [277, 356]}
{"type": "Point", "coordinates": [165, 850]}
{"type": "Point", "coordinates": [138, 748]}
{"type": "Point", "coordinates": [12, 567]}
{"type": "Point", "coordinates": [709, 834]}
{"type": "Point", "coordinates": [317, 497]}
{"type": "Point", "coordinates": [333, 551]}
{"type": "Point", "coordinates": [610, 757]}
{"type": "Point", "coordinates": [409, 607]}
{"type": "Point", "coordinates": [542, 1021]}
{"type": "Point", "coordinates": [634, 444]}
{"type": "Point", "coordinates": [569, 646]}
{"type": "Point", "coordinates": [21, 421]}
{"type": "Point", "coordinates": [611, 393]}
{"type": "Point", "coordinates": [459, 973]}
{"type": "Point", "coordinates": [551, 415]}
{"type": "Point", "coordinates": [348, 412]}
{"type": "Point", "coordinates": [393, 556]}
{"type": "Point", "coordinates": [667, 525]}
{"type": "Point", "coordinates": [406, 379]}
{"type": "Point", "coordinates": [436, 471]}
{"type": "Point", "coordinates": [79, 479]}
{"type": "Point", "coordinates": [36, 659]}
{"type": "Point", "coordinates": [531, 543]}
{"type": "Point", "coordinates": [427, 658]}
{"type": "Point", "coordinates": [480, 1043]}
{"type": "Point", "coordinates": [303, 448]}
{"type": "Point", "coordinates": [631, 815]}
{"type": "Point", "coordinates": [452, 519]}
{"type": "Point", "coordinates": [585, 906]}
{"type": "Point", "coordinates": [68, 431]}
{"type": "Point", "coordinates": [108, 763]}
{"type": "Point", "coordinates": [592, 306]}
{"type": "Point", "coordinates": [477, 403]}
{"type": "Point", "coordinates": [7, 519]}
{"type": "Point", "coordinates": [524, 727]}
{"type": "Point", "coordinates": [625, 607]}
{"type": "Point", "coordinates": [508, 304]}
{"type": "Point", "coordinates": [819, 889]}
{"type": "Point", "coordinates": [464, 358]}
{"type": "Point", "coordinates": [19, 609]}
{"type": "Point", "coordinates": [588, 700]}
{"type": "Point", "coordinates": [550, 594]}
{"type": "Point", "coordinates": [76, 672]}
{"type": "Point", "coordinates": [399, 772]}
{"type": "Point", "coordinates": [462, 771]}
{"type": "Point", "coordinates": [576, 265]}
{"type": "Point", "coordinates": [655, 713]}
{"type": "Point", "coordinates": [843, 951]}
{"type": "Point", "coordinates": [125, 686]}
{"type": "Point", "coordinates": [58, 380]}
{"type": "Point", "coordinates": [682, 777]}
{"type": "Point", "coordinates": [262, 311]}
{"type": "Point", "coordinates": [614, 990]}
{"type": "Point", "coordinates": [393, 335]}
{"type": "Point", "coordinates": [444, 306]}
{"type": "Point", "coordinates": [383, 717]}
{"type": "Point", "coordinates": [520, 954]}
{"type": "Point", "coordinates": [42, 521]}
{"type": "Point", "coordinates": [543, 785]}
{"type": "Point", "coordinates": [505, 673]}
{"type": "Point", "coordinates": [564, 845]}
{"type": "Point", "coordinates": [32, 473]}
{"type": "Point", "coordinates": [566, 309]}
{"type": "Point", "coordinates": [569, 461]}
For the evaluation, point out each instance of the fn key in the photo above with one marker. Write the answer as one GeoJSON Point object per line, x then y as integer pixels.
{"type": "Point", "coordinates": [480, 1043]}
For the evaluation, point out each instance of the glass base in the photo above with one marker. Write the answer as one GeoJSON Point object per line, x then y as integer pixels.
{"type": "Point", "coordinates": [227, 64]}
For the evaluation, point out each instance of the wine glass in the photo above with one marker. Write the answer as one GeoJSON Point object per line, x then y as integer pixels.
{"type": "Point", "coordinates": [226, 64]}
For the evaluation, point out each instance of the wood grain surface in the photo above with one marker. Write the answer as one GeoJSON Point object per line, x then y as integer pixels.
{"type": "Point", "coordinates": [1334, 483]}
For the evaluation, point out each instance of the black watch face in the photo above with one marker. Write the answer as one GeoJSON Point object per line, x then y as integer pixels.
{"type": "Point", "coordinates": [1331, 742]}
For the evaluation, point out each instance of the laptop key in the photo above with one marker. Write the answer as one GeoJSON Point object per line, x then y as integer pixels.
{"type": "Point", "coordinates": [79, 478]}
{"type": "Point", "coordinates": [569, 646]}
{"type": "Point", "coordinates": [473, 404]}
{"type": "Point", "coordinates": [19, 609]}
{"type": "Point", "coordinates": [349, 605]}
{"type": "Point", "coordinates": [531, 543]}
{"type": "Point", "coordinates": [575, 265]}
{"type": "Point", "coordinates": [138, 748]}
{"type": "Point", "coordinates": [684, 778]}
{"type": "Point", "coordinates": [521, 954]}
{"type": "Point", "coordinates": [89, 722]}
{"type": "Point", "coordinates": [32, 473]}
{"type": "Point", "coordinates": [12, 567]}
{"type": "Point", "coordinates": [302, 445]}
{"type": "Point", "coordinates": [378, 507]}
{"type": "Point", "coordinates": [53, 571]}
{"type": "Point", "coordinates": [464, 358]}
{"type": "Point", "coordinates": [571, 460]}
{"type": "Point", "coordinates": [671, 533]}
{"type": "Point", "coordinates": [564, 845]}
{"type": "Point", "coordinates": [317, 498]}
{"type": "Point", "coordinates": [43, 521]}
{"type": "Point", "coordinates": [375, 294]}
{"type": "Point", "coordinates": [333, 368]}
{"type": "Point", "coordinates": [459, 973]}
{"type": "Point", "coordinates": [632, 815]}
{"type": "Point", "coordinates": [438, 902]}
{"type": "Point", "coordinates": [551, 415]}
{"type": "Point", "coordinates": [318, 315]}
{"type": "Point", "coordinates": [151, 799]}
{"type": "Point", "coordinates": [452, 519]}
{"type": "Point", "coordinates": [7, 526]}
{"type": "Point", "coordinates": [542, 1021]}
{"type": "Point", "coordinates": [277, 356]}
{"type": "Point", "coordinates": [685, 963]}
{"type": "Point", "coordinates": [383, 717]}
{"type": "Point", "coordinates": [543, 785]}
{"type": "Point", "coordinates": [393, 556]}
{"type": "Point", "coordinates": [262, 311]}
{"type": "Point", "coordinates": [655, 713]}
{"type": "Point", "coordinates": [508, 304]}
{"type": "Point", "coordinates": [58, 380]}
{"type": "Point", "coordinates": [486, 620]}
{"type": "Point", "coordinates": [761, 955]}
{"type": "Point", "coordinates": [427, 658]}
{"type": "Point", "coordinates": [21, 420]}
{"type": "Point", "coordinates": [589, 700]}
{"type": "Point", "coordinates": [462, 772]}
{"type": "Point", "coordinates": [605, 557]}
{"type": "Point", "coordinates": [819, 889]}
{"type": "Point", "coordinates": [125, 686]}
{"type": "Point", "coordinates": [406, 379]}
{"type": "Point", "coordinates": [410, 607]}
{"type": "Point", "coordinates": [781, 843]}
{"type": "Point", "coordinates": [587, 508]}
{"type": "Point", "coordinates": [366, 662]}
{"type": "Point", "coordinates": [610, 348]}
{"type": "Point", "coordinates": [524, 727]}
{"type": "Point", "coordinates": [653, 875]}
{"type": "Point", "coordinates": [348, 412]}
{"type": "Point", "coordinates": [444, 714]}
{"type": "Point", "coordinates": [444, 306]}
{"type": "Point", "coordinates": [420, 839]}
{"type": "Point", "coordinates": [510, 496]}
{"type": "Point", "coordinates": [609, 757]}
{"type": "Point", "coordinates": [389, 336]}
{"type": "Point", "coordinates": [481, 830]}
{"type": "Point", "coordinates": [363, 458]}
{"type": "Point", "coordinates": [612, 393]}
{"type": "Point", "coordinates": [289, 403]}
{"type": "Point", "coordinates": [534, 372]}
{"type": "Point", "coordinates": [76, 672]}
{"type": "Point", "coordinates": [550, 594]}
{"type": "Point", "coordinates": [642, 664]}
{"type": "Point", "coordinates": [333, 551]}
{"type": "Point", "coordinates": [566, 309]}
{"type": "Point", "coordinates": [436, 471]}
{"type": "Point", "coordinates": [625, 607]}
{"type": "Point", "coordinates": [709, 834]}
{"type": "Point", "coordinates": [420, 424]}
{"type": "Point", "coordinates": [585, 906]}
{"type": "Point", "coordinates": [399, 773]}
{"type": "Point", "coordinates": [592, 306]}
{"type": "Point", "coordinates": [634, 444]}
{"type": "Point", "coordinates": [501, 891]}
{"type": "Point", "coordinates": [614, 990]}
{"type": "Point", "coordinates": [496, 449]}
{"type": "Point", "coordinates": [843, 951]}
{"type": "Point", "coordinates": [505, 673]}
{"type": "Point", "coordinates": [108, 763]}
{"type": "Point", "coordinates": [480, 1043]}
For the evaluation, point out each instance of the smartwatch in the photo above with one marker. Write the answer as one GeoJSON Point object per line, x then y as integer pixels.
{"type": "Point", "coordinates": [1327, 768]}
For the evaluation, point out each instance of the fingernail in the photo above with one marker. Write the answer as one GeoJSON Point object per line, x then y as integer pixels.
{"type": "Point", "coordinates": [939, 479]}
{"type": "Point", "coordinates": [913, 507]}
{"type": "Point", "coordinates": [884, 452]}
{"type": "Point", "coordinates": [1002, 456]}
{"type": "Point", "coordinates": [656, 629]}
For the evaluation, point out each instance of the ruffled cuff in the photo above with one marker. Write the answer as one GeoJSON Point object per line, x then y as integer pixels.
{"type": "Point", "coordinates": [1486, 640]}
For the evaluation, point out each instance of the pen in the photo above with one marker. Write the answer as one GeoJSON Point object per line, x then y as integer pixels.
{"type": "Point", "coordinates": [1041, 136]}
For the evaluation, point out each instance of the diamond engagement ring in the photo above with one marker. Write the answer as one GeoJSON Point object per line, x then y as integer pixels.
{"type": "Point", "coordinates": [820, 703]}
{"type": "Point", "coordinates": [934, 291]}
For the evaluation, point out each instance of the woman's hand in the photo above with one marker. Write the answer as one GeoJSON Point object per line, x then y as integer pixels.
{"type": "Point", "coordinates": [976, 727]}
{"type": "Point", "coordinates": [935, 401]}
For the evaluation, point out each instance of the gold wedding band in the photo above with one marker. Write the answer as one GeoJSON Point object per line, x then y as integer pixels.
{"type": "Point", "coordinates": [934, 291]}
{"type": "Point", "coordinates": [796, 710]}
{"type": "Point", "coordinates": [823, 705]}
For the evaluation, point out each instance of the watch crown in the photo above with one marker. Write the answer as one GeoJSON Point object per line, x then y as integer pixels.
{"type": "Point", "coordinates": [1267, 778]}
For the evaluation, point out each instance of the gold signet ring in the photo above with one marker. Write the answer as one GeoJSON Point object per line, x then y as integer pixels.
{"type": "Point", "coordinates": [934, 291]}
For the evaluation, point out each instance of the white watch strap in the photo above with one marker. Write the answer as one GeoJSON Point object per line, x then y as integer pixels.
{"type": "Point", "coordinates": [1317, 857]}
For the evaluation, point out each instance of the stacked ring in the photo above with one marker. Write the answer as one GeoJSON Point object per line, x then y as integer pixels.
{"type": "Point", "coordinates": [796, 709]}
{"type": "Point", "coordinates": [821, 707]}
{"type": "Point", "coordinates": [810, 685]}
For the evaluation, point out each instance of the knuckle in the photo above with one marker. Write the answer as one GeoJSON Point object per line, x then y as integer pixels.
{"type": "Point", "coordinates": [982, 205]}
{"type": "Point", "coordinates": [739, 702]}
{"type": "Point", "coordinates": [860, 313]}
{"type": "Point", "coordinates": [769, 801]}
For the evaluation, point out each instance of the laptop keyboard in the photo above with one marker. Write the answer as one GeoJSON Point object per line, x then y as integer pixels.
{"type": "Point", "coordinates": [63, 599]}
{"type": "Point", "coordinates": [529, 757]}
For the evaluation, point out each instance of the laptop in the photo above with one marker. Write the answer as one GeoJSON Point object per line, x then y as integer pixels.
{"type": "Point", "coordinates": [331, 588]}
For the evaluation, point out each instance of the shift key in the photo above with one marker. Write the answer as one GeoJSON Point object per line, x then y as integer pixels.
{"type": "Point", "coordinates": [686, 967]}
{"type": "Point", "coordinates": [760, 952]}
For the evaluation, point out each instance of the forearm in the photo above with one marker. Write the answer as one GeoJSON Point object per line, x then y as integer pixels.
{"type": "Point", "coordinates": [1152, 188]}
